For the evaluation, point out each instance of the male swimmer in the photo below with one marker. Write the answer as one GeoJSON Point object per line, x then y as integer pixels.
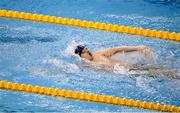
{"type": "Point", "coordinates": [103, 59]}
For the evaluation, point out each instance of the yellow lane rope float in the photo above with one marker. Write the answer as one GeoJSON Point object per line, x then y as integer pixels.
{"type": "Point", "coordinates": [87, 96]}
{"type": "Point", "coordinates": [90, 24]}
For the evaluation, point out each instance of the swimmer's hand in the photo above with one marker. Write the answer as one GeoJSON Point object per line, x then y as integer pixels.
{"type": "Point", "coordinates": [146, 51]}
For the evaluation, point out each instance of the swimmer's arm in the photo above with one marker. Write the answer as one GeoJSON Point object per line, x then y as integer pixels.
{"type": "Point", "coordinates": [110, 51]}
{"type": "Point", "coordinates": [144, 49]}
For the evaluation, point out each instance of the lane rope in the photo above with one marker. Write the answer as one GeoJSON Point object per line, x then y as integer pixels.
{"type": "Point", "coordinates": [90, 24]}
{"type": "Point", "coordinates": [87, 96]}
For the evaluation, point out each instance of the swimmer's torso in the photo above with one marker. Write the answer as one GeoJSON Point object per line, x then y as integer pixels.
{"type": "Point", "coordinates": [106, 62]}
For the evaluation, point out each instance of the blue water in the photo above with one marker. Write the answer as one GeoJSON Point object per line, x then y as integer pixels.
{"type": "Point", "coordinates": [38, 54]}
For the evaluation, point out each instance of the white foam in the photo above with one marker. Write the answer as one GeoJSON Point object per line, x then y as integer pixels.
{"type": "Point", "coordinates": [118, 69]}
{"type": "Point", "coordinates": [70, 49]}
{"type": "Point", "coordinates": [39, 70]}
{"type": "Point", "coordinates": [142, 83]}
{"type": "Point", "coordinates": [64, 66]}
{"type": "Point", "coordinates": [129, 57]}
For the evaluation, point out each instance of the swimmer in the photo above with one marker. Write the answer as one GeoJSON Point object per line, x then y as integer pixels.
{"type": "Point", "coordinates": [103, 59]}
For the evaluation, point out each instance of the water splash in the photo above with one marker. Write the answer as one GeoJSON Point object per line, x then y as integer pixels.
{"type": "Point", "coordinates": [62, 66]}
{"type": "Point", "coordinates": [70, 49]}
{"type": "Point", "coordinates": [130, 57]}
{"type": "Point", "coordinates": [136, 60]}
{"type": "Point", "coordinates": [118, 69]}
{"type": "Point", "coordinates": [39, 71]}
{"type": "Point", "coordinates": [143, 83]}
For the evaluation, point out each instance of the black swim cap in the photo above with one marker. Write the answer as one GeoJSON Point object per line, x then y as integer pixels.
{"type": "Point", "coordinates": [79, 49]}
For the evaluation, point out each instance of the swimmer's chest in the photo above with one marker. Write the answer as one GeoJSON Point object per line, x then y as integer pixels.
{"type": "Point", "coordinates": [101, 59]}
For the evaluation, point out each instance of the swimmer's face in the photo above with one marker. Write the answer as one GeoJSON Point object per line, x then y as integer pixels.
{"type": "Point", "coordinates": [86, 54]}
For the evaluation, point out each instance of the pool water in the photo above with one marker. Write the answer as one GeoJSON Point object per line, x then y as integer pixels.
{"type": "Point", "coordinates": [41, 54]}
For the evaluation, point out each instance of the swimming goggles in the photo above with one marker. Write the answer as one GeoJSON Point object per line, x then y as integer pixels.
{"type": "Point", "coordinates": [85, 50]}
